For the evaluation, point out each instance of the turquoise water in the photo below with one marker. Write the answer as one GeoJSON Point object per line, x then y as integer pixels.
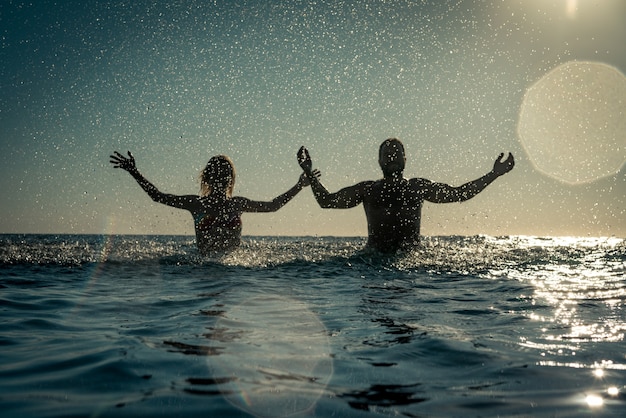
{"type": "Point", "coordinates": [288, 326]}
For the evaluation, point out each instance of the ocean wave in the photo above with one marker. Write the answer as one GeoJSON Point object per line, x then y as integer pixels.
{"type": "Point", "coordinates": [460, 254]}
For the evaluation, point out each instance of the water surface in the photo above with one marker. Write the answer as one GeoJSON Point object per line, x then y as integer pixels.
{"type": "Point", "coordinates": [290, 326]}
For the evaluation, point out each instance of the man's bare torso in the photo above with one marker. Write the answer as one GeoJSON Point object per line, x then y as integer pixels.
{"type": "Point", "coordinates": [393, 208]}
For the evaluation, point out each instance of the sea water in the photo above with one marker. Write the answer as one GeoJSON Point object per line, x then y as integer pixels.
{"type": "Point", "coordinates": [315, 326]}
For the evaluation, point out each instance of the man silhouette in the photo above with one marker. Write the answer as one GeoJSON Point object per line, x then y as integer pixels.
{"type": "Point", "coordinates": [393, 204]}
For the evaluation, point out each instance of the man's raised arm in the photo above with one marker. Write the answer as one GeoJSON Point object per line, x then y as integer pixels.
{"type": "Point", "coordinates": [345, 198]}
{"type": "Point", "coordinates": [443, 193]}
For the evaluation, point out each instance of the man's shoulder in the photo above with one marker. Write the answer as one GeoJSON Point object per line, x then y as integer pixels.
{"type": "Point", "coordinates": [366, 183]}
{"type": "Point", "coordinates": [420, 185]}
{"type": "Point", "coordinates": [416, 182]}
{"type": "Point", "coordinates": [419, 182]}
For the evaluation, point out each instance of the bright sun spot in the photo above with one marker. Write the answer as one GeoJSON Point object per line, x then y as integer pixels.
{"type": "Point", "coordinates": [572, 122]}
{"type": "Point", "coordinates": [572, 8]}
{"type": "Point", "coordinates": [594, 401]}
{"type": "Point", "coordinates": [598, 372]}
{"type": "Point", "coordinates": [613, 391]}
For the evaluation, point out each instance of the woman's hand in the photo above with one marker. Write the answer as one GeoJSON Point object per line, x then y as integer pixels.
{"type": "Point", "coordinates": [119, 161]}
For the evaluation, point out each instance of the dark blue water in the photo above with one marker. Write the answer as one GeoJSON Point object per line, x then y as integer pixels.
{"type": "Point", "coordinates": [464, 326]}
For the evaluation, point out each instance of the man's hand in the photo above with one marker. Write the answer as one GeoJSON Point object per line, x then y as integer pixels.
{"type": "Point", "coordinates": [119, 161]}
{"type": "Point", "coordinates": [304, 159]}
{"type": "Point", "coordinates": [502, 167]}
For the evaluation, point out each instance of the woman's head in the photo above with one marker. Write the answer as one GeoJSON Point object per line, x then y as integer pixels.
{"type": "Point", "coordinates": [218, 176]}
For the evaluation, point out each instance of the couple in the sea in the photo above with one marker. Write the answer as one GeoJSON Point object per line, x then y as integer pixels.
{"type": "Point", "coordinates": [393, 204]}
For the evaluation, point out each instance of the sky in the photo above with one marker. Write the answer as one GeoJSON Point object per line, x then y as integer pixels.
{"type": "Point", "coordinates": [176, 82]}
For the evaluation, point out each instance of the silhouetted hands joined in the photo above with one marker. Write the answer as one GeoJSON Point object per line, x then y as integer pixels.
{"type": "Point", "coordinates": [119, 161]}
{"type": "Point", "coordinates": [502, 167]}
{"type": "Point", "coordinates": [304, 180]}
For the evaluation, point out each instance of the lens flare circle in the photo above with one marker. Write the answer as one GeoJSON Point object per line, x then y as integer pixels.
{"type": "Point", "coordinates": [277, 361]}
{"type": "Point", "coordinates": [572, 122]}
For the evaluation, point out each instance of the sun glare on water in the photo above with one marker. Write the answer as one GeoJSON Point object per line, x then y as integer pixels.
{"type": "Point", "coordinates": [276, 358]}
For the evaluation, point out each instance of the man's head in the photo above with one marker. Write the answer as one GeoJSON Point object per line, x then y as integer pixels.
{"type": "Point", "coordinates": [391, 157]}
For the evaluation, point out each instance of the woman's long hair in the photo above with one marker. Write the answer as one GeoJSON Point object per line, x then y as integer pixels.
{"type": "Point", "coordinates": [219, 174]}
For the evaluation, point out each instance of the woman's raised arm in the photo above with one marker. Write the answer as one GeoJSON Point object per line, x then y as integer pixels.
{"type": "Point", "coordinates": [189, 202]}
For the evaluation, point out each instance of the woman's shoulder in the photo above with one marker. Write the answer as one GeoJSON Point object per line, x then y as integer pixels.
{"type": "Point", "coordinates": [217, 205]}
{"type": "Point", "coordinates": [238, 201]}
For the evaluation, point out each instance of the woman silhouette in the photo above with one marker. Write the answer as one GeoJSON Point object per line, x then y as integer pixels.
{"type": "Point", "coordinates": [216, 212]}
